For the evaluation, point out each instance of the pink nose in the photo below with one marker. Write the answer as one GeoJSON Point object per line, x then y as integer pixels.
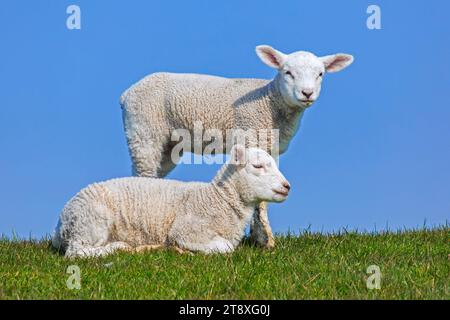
{"type": "Point", "coordinates": [286, 185]}
{"type": "Point", "coordinates": [307, 93]}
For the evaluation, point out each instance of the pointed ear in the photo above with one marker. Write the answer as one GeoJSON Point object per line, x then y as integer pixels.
{"type": "Point", "coordinates": [238, 156]}
{"type": "Point", "coordinates": [271, 57]}
{"type": "Point", "coordinates": [337, 62]}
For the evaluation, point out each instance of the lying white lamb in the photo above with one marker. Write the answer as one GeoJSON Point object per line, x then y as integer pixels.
{"type": "Point", "coordinates": [137, 213]}
{"type": "Point", "coordinates": [163, 102]}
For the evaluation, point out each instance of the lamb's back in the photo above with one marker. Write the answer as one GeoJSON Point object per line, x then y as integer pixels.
{"type": "Point", "coordinates": [185, 98]}
{"type": "Point", "coordinates": [145, 208]}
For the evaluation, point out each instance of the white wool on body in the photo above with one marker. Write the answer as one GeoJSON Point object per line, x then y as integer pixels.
{"type": "Point", "coordinates": [164, 102]}
{"type": "Point", "coordinates": [146, 211]}
{"type": "Point", "coordinates": [131, 212]}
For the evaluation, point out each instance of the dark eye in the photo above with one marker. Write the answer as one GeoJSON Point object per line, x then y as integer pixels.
{"type": "Point", "coordinates": [258, 166]}
{"type": "Point", "coordinates": [289, 74]}
{"type": "Point", "coordinates": [321, 74]}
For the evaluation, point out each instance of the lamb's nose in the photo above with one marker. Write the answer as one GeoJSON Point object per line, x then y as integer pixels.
{"type": "Point", "coordinates": [286, 185]}
{"type": "Point", "coordinates": [307, 93]}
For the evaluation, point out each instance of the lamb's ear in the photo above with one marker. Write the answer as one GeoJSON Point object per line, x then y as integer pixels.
{"type": "Point", "coordinates": [337, 62]}
{"type": "Point", "coordinates": [273, 58]}
{"type": "Point", "coordinates": [238, 156]}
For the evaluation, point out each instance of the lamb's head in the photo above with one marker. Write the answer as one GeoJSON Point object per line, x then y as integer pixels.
{"type": "Point", "coordinates": [300, 73]}
{"type": "Point", "coordinates": [258, 176]}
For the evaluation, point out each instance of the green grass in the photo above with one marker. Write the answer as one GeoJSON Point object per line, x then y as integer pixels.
{"type": "Point", "coordinates": [414, 265]}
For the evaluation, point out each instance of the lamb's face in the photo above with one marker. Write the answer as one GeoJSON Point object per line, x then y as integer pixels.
{"type": "Point", "coordinates": [300, 78]}
{"type": "Point", "coordinates": [260, 176]}
{"type": "Point", "coordinates": [300, 73]}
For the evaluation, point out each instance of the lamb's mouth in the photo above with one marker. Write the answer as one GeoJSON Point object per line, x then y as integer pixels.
{"type": "Point", "coordinates": [307, 102]}
{"type": "Point", "coordinates": [281, 193]}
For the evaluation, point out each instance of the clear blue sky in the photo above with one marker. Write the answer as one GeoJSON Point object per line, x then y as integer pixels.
{"type": "Point", "coordinates": [373, 151]}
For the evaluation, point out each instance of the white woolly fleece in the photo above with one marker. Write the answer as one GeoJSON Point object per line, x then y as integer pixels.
{"type": "Point", "coordinates": [128, 213]}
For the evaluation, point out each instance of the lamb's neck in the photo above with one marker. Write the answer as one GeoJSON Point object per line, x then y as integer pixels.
{"type": "Point", "coordinates": [285, 117]}
{"type": "Point", "coordinates": [274, 97]}
{"type": "Point", "coordinates": [224, 185]}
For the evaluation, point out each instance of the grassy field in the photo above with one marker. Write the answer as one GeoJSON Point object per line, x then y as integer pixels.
{"type": "Point", "coordinates": [413, 265]}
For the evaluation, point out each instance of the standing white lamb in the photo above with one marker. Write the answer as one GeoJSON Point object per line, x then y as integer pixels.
{"type": "Point", "coordinates": [138, 213]}
{"type": "Point", "coordinates": [163, 102]}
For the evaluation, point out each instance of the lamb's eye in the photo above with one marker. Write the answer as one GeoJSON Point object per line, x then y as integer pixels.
{"type": "Point", "coordinates": [258, 166]}
{"type": "Point", "coordinates": [289, 74]}
{"type": "Point", "coordinates": [321, 74]}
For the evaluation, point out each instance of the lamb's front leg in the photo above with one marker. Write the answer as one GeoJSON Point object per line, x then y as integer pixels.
{"type": "Point", "coordinates": [260, 230]}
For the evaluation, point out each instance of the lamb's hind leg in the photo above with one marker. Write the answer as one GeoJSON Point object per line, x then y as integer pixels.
{"type": "Point", "coordinates": [152, 247]}
{"type": "Point", "coordinates": [146, 156]}
{"type": "Point", "coordinates": [80, 251]}
{"type": "Point", "coordinates": [260, 230]}
{"type": "Point", "coordinates": [151, 156]}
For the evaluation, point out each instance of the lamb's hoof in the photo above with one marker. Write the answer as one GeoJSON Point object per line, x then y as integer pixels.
{"type": "Point", "coordinates": [181, 251]}
{"type": "Point", "coordinates": [147, 248]}
{"type": "Point", "coordinates": [270, 244]}
{"type": "Point", "coordinates": [267, 244]}
{"type": "Point", "coordinates": [263, 243]}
